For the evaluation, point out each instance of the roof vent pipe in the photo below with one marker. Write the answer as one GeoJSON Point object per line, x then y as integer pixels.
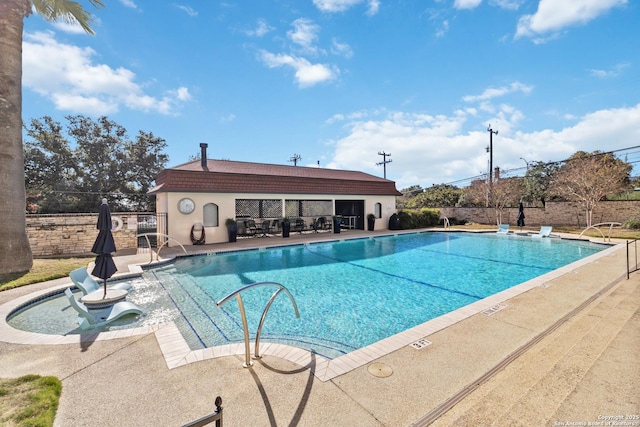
{"type": "Point", "coordinates": [203, 154]}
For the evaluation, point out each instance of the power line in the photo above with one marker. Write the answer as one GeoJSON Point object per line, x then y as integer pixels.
{"type": "Point", "coordinates": [557, 162]}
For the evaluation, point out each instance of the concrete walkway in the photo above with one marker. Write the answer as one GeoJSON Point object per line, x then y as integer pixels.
{"type": "Point", "coordinates": [564, 351]}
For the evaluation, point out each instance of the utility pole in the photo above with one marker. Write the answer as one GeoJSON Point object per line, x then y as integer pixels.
{"type": "Point", "coordinates": [295, 159]}
{"type": "Point", "coordinates": [491, 133]}
{"type": "Point", "coordinates": [384, 161]}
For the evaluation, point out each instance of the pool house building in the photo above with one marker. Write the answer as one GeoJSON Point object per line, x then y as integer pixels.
{"type": "Point", "coordinates": [206, 192]}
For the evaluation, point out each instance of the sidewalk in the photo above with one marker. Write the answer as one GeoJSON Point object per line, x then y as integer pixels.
{"type": "Point", "coordinates": [573, 368]}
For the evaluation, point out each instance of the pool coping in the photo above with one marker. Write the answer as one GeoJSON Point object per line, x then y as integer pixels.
{"type": "Point", "coordinates": [176, 351]}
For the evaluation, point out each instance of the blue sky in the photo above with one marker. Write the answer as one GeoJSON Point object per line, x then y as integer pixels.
{"type": "Point", "coordinates": [338, 81]}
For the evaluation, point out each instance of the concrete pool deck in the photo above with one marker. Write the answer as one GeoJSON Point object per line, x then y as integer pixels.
{"type": "Point", "coordinates": [572, 343]}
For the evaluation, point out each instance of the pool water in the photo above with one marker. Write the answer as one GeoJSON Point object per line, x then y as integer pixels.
{"type": "Point", "coordinates": [349, 293]}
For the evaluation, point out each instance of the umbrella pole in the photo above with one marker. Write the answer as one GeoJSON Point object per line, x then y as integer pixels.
{"type": "Point", "coordinates": [105, 289]}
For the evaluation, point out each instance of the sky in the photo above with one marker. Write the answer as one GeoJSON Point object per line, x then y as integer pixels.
{"type": "Point", "coordinates": [336, 82]}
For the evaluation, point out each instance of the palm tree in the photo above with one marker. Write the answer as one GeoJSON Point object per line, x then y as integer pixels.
{"type": "Point", "coordinates": [15, 252]}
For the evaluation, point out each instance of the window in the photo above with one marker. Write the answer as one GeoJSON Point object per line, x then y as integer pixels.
{"type": "Point", "coordinates": [378, 209]}
{"type": "Point", "coordinates": [210, 215]}
{"type": "Point", "coordinates": [258, 208]}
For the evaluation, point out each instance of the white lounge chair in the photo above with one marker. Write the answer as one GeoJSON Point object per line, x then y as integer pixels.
{"type": "Point", "coordinates": [503, 229]}
{"type": "Point", "coordinates": [88, 320]}
{"type": "Point", "coordinates": [545, 231]}
{"type": "Point", "coordinates": [87, 284]}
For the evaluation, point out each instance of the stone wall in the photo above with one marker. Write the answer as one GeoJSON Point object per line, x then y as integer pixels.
{"type": "Point", "coordinates": [74, 234]}
{"type": "Point", "coordinates": [554, 213]}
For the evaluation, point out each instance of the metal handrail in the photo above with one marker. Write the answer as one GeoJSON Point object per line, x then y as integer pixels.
{"type": "Point", "coordinates": [629, 267]}
{"type": "Point", "coordinates": [146, 236]}
{"type": "Point", "coordinates": [595, 227]}
{"type": "Point", "coordinates": [247, 363]}
{"type": "Point", "coordinates": [216, 417]}
{"type": "Point", "coordinates": [445, 222]}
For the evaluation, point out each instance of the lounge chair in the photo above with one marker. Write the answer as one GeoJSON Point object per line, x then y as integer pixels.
{"type": "Point", "coordinates": [87, 284]}
{"type": "Point", "coordinates": [545, 231]}
{"type": "Point", "coordinates": [88, 320]}
{"type": "Point", "coordinates": [503, 229]}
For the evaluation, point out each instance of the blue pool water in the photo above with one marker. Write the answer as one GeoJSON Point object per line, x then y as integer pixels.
{"type": "Point", "coordinates": [353, 293]}
{"type": "Point", "coordinates": [349, 294]}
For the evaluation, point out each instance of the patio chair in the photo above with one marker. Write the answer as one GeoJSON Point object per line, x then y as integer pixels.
{"type": "Point", "coordinates": [88, 320]}
{"type": "Point", "coordinates": [503, 229]}
{"type": "Point", "coordinates": [545, 231]}
{"type": "Point", "coordinates": [266, 228]}
{"type": "Point", "coordinates": [299, 225]}
{"type": "Point", "coordinates": [87, 284]}
{"type": "Point", "coordinates": [250, 227]}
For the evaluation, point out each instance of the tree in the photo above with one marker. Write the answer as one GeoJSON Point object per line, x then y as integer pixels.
{"type": "Point", "coordinates": [436, 196]}
{"type": "Point", "coordinates": [505, 192]}
{"type": "Point", "coordinates": [146, 160]}
{"type": "Point", "coordinates": [13, 235]}
{"type": "Point", "coordinates": [50, 168]}
{"type": "Point", "coordinates": [407, 194]}
{"type": "Point", "coordinates": [587, 178]}
{"type": "Point", "coordinates": [104, 163]}
{"type": "Point", "coordinates": [537, 181]}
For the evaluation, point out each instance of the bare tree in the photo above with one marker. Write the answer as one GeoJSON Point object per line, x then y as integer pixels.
{"type": "Point", "coordinates": [587, 178]}
{"type": "Point", "coordinates": [505, 192]}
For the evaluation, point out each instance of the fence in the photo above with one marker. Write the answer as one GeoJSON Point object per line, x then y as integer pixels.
{"type": "Point", "coordinates": [73, 234]}
{"type": "Point", "coordinates": [554, 213]}
{"type": "Point", "coordinates": [631, 267]}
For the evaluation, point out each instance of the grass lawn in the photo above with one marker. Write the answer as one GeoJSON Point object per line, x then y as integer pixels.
{"type": "Point", "coordinates": [31, 401]}
{"type": "Point", "coordinates": [43, 270]}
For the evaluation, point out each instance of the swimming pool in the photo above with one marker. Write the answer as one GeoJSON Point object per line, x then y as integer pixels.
{"type": "Point", "coordinates": [349, 293]}
{"type": "Point", "coordinates": [353, 293]}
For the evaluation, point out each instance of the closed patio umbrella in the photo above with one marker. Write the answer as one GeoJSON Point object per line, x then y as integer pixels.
{"type": "Point", "coordinates": [521, 215]}
{"type": "Point", "coordinates": [104, 246]}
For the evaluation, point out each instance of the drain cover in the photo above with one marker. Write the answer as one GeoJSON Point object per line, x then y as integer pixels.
{"type": "Point", "coordinates": [380, 370]}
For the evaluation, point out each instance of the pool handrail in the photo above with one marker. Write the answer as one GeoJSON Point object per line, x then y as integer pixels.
{"type": "Point", "coordinates": [247, 363]}
{"type": "Point", "coordinates": [595, 227]}
{"type": "Point", "coordinates": [167, 238]}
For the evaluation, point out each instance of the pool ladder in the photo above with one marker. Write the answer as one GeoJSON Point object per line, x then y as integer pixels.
{"type": "Point", "coordinates": [247, 363]}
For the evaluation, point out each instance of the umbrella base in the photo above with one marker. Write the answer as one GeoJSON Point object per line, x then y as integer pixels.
{"type": "Point", "coordinates": [98, 301]}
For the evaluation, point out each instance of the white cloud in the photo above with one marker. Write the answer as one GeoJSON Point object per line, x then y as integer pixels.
{"type": "Point", "coordinates": [554, 16]}
{"type": "Point", "coordinates": [442, 30]}
{"type": "Point", "coordinates": [306, 73]}
{"type": "Point", "coordinates": [466, 4]}
{"type": "Point", "coordinates": [228, 118]}
{"type": "Point", "coordinates": [129, 3]}
{"type": "Point", "coordinates": [491, 93]}
{"type": "Point", "coordinates": [187, 9]}
{"type": "Point", "coordinates": [507, 4]}
{"type": "Point", "coordinates": [614, 72]}
{"type": "Point", "coordinates": [430, 149]}
{"type": "Point", "coordinates": [67, 75]}
{"type": "Point", "coordinates": [261, 29]}
{"type": "Point", "coordinates": [334, 6]}
{"type": "Point", "coordinates": [70, 27]}
{"type": "Point", "coordinates": [342, 49]}
{"type": "Point", "coordinates": [304, 34]}
{"type": "Point", "coordinates": [374, 7]}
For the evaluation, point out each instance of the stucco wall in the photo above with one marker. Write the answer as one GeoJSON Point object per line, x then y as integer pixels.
{"type": "Point", "coordinates": [554, 213]}
{"type": "Point", "coordinates": [74, 234]}
{"type": "Point", "coordinates": [179, 225]}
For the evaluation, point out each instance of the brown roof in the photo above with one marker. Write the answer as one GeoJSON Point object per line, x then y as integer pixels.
{"type": "Point", "coordinates": [226, 176]}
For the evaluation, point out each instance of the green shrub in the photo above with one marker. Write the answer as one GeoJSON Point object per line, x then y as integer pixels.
{"type": "Point", "coordinates": [423, 218]}
{"type": "Point", "coordinates": [633, 224]}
